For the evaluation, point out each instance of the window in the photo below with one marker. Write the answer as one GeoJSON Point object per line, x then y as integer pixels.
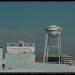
{"type": "Point", "coordinates": [26, 44]}
{"type": "Point", "coordinates": [30, 44]}
{"type": "Point", "coordinates": [8, 44]}
{"type": "Point", "coordinates": [53, 59]}
{"type": "Point", "coordinates": [20, 44]}
{"type": "Point", "coordinates": [17, 44]}
{"type": "Point", "coordinates": [13, 44]}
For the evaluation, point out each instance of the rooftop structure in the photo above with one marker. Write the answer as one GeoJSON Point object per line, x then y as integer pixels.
{"type": "Point", "coordinates": [20, 47]}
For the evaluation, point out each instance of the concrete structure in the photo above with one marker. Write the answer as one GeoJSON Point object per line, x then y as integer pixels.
{"type": "Point", "coordinates": [18, 54]}
{"type": "Point", "coordinates": [14, 61]}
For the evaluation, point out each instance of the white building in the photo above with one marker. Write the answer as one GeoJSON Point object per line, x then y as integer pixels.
{"type": "Point", "coordinates": [19, 54]}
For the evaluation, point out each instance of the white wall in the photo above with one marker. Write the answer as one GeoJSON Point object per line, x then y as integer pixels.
{"type": "Point", "coordinates": [19, 60]}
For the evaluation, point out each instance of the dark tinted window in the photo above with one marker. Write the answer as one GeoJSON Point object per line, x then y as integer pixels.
{"type": "Point", "coordinates": [30, 44]}
{"type": "Point", "coordinates": [20, 44]}
{"type": "Point", "coordinates": [13, 45]}
{"type": "Point", "coordinates": [53, 59]}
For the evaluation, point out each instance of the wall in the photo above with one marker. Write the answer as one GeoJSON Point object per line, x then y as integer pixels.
{"type": "Point", "coordinates": [18, 60]}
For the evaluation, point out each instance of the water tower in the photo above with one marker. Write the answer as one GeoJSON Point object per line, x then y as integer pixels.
{"type": "Point", "coordinates": [53, 31]}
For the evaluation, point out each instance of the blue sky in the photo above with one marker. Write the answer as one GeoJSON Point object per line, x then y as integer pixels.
{"type": "Point", "coordinates": [27, 21]}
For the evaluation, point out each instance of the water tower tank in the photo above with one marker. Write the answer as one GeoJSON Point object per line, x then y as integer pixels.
{"type": "Point", "coordinates": [54, 30]}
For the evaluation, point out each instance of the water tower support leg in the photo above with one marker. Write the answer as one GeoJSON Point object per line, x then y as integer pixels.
{"type": "Point", "coordinates": [45, 51]}
{"type": "Point", "coordinates": [59, 48]}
